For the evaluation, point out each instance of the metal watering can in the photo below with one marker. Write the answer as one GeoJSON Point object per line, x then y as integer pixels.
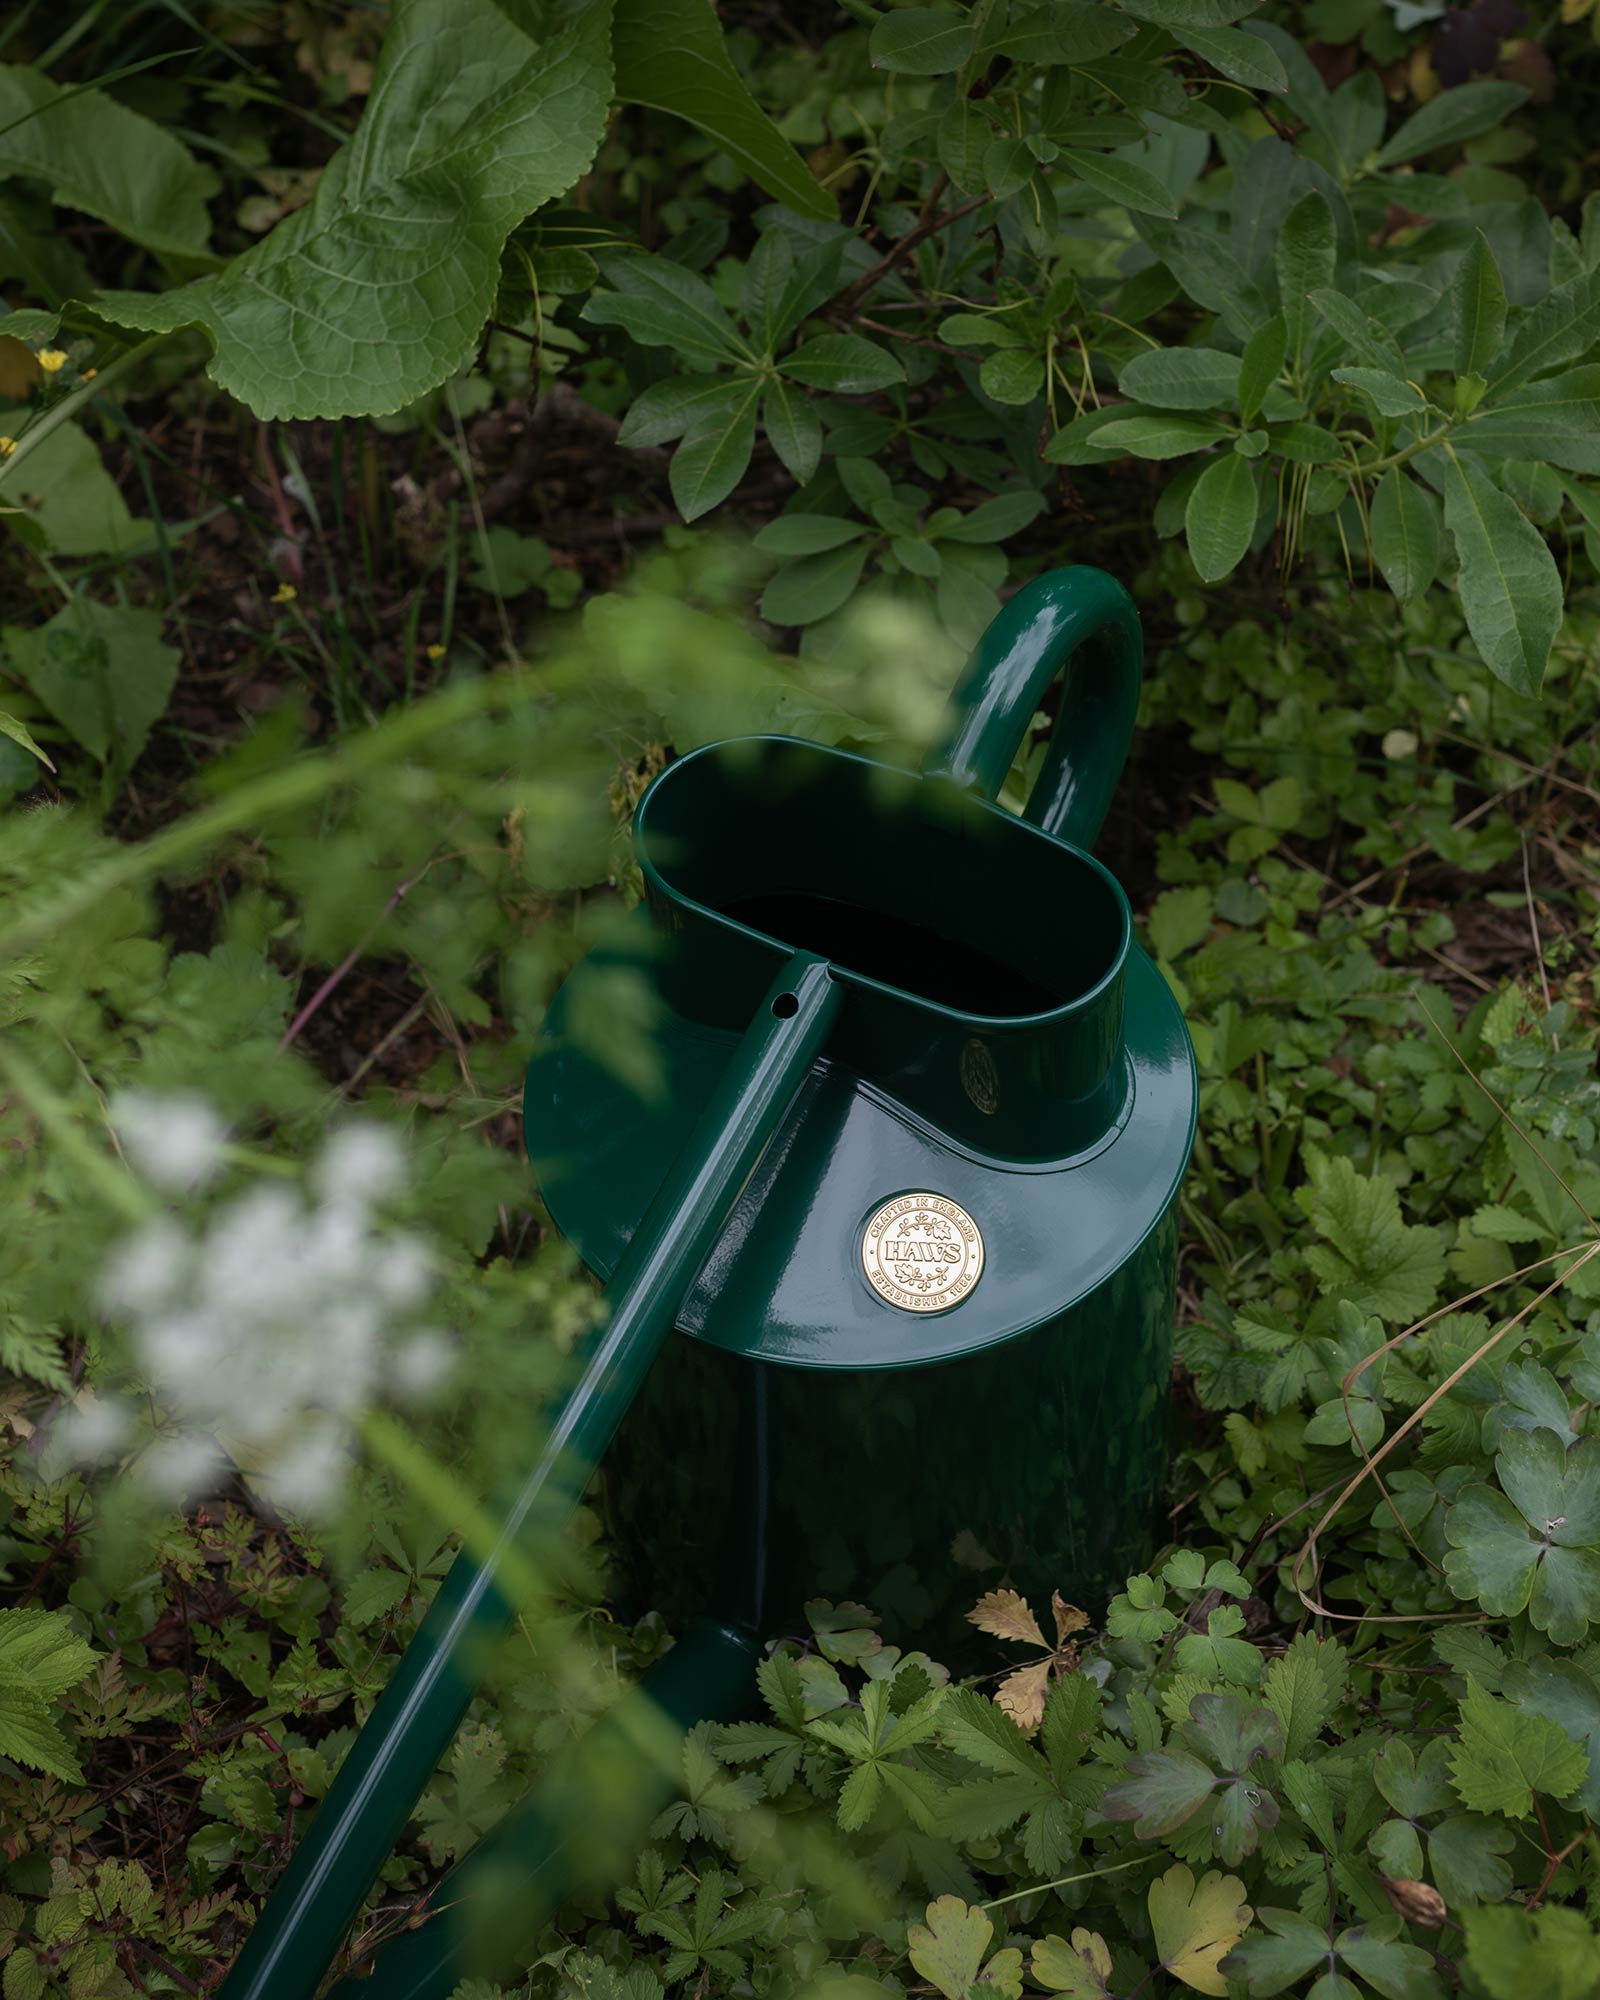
{"type": "Point", "coordinates": [909, 1193]}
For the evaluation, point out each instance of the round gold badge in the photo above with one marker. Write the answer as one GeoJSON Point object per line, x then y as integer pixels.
{"type": "Point", "coordinates": [922, 1252]}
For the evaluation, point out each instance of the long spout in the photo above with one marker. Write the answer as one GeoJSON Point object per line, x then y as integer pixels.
{"type": "Point", "coordinates": [424, 1703]}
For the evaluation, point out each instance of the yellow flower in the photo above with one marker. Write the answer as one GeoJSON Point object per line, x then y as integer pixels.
{"type": "Point", "coordinates": [7, 447]}
{"type": "Point", "coordinates": [52, 360]}
{"type": "Point", "coordinates": [285, 594]}
{"type": "Point", "coordinates": [88, 374]}
{"type": "Point", "coordinates": [435, 652]}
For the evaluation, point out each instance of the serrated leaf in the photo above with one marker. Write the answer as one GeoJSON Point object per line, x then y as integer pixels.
{"type": "Point", "coordinates": [1406, 534]}
{"type": "Point", "coordinates": [1196, 1923]}
{"type": "Point", "coordinates": [1004, 1614]}
{"type": "Point", "coordinates": [1377, 1262]}
{"type": "Point", "coordinates": [1506, 1755]}
{"type": "Point", "coordinates": [1303, 1687]}
{"type": "Point", "coordinates": [671, 54]}
{"type": "Point", "coordinates": [378, 289]}
{"type": "Point", "coordinates": [1477, 309]}
{"type": "Point", "coordinates": [1220, 517]}
{"type": "Point", "coordinates": [1508, 581]}
{"type": "Point", "coordinates": [28, 1736]}
{"type": "Point", "coordinates": [372, 1594]}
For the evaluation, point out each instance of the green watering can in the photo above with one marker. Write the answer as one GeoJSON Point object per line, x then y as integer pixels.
{"type": "Point", "coordinates": [908, 1199]}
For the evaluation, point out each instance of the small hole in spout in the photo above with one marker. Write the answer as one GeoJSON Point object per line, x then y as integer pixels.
{"type": "Point", "coordinates": [786, 1006]}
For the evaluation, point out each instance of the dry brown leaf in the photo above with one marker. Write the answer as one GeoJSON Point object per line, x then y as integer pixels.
{"type": "Point", "coordinates": [1069, 1619]}
{"type": "Point", "coordinates": [1005, 1615]}
{"type": "Point", "coordinates": [1417, 1902]}
{"type": "Point", "coordinates": [970, 1553]}
{"type": "Point", "coordinates": [1022, 1695]}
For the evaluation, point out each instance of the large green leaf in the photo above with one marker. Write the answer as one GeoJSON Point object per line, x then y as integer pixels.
{"type": "Point", "coordinates": [1478, 303]}
{"type": "Point", "coordinates": [1450, 117]}
{"type": "Point", "coordinates": [378, 289]}
{"type": "Point", "coordinates": [921, 41]}
{"type": "Point", "coordinates": [712, 458]}
{"type": "Point", "coordinates": [1181, 378]}
{"type": "Point", "coordinates": [98, 156]}
{"type": "Point", "coordinates": [1153, 436]}
{"type": "Point", "coordinates": [1245, 58]}
{"type": "Point", "coordinates": [670, 55]}
{"type": "Point", "coordinates": [1221, 515]}
{"type": "Point", "coordinates": [1558, 329]}
{"type": "Point", "coordinates": [1509, 584]}
{"type": "Point", "coordinates": [1305, 263]}
{"type": "Point", "coordinates": [1405, 534]}
{"type": "Point", "coordinates": [1121, 181]}
{"type": "Point", "coordinates": [103, 671]}
{"type": "Point", "coordinates": [1555, 422]}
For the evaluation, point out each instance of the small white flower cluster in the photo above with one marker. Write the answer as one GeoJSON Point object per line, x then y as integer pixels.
{"type": "Point", "coordinates": [276, 1321]}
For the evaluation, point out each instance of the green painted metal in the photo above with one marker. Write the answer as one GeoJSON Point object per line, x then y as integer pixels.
{"type": "Point", "coordinates": [874, 982]}
{"type": "Point", "coordinates": [576, 1832]}
{"type": "Point", "coordinates": [420, 1710]}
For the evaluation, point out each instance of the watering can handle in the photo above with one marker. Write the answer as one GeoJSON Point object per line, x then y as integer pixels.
{"type": "Point", "coordinates": [1079, 620]}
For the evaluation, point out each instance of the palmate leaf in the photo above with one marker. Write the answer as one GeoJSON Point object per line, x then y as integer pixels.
{"type": "Point", "coordinates": [1196, 1923]}
{"type": "Point", "coordinates": [1536, 1544]}
{"type": "Point", "coordinates": [948, 1951]}
{"type": "Point", "coordinates": [1080, 1968]}
{"type": "Point", "coordinates": [1506, 1754]}
{"type": "Point", "coordinates": [378, 288]}
{"type": "Point", "coordinates": [1370, 1257]}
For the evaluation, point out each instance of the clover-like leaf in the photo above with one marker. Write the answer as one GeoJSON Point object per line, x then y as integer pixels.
{"type": "Point", "coordinates": [1196, 1923]}
{"type": "Point", "coordinates": [1535, 1545]}
{"type": "Point", "coordinates": [948, 1951]}
{"type": "Point", "coordinates": [1079, 1967]}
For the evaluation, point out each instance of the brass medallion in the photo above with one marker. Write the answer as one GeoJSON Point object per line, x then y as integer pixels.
{"type": "Point", "coordinates": [922, 1252]}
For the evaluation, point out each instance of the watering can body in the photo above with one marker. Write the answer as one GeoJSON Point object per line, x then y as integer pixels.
{"type": "Point", "coordinates": [929, 1353]}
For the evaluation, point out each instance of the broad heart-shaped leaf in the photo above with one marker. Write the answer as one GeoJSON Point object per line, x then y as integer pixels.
{"type": "Point", "coordinates": [1081, 1969]}
{"type": "Point", "coordinates": [921, 41]}
{"type": "Point", "coordinates": [103, 671]}
{"type": "Point", "coordinates": [1195, 1923]}
{"type": "Point", "coordinates": [378, 288]}
{"type": "Point", "coordinates": [1478, 308]}
{"type": "Point", "coordinates": [670, 54]}
{"type": "Point", "coordinates": [1537, 1544]}
{"type": "Point", "coordinates": [948, 1951]}
{"type": "Point", "coordinates": [1220, 517]}
{"type": "Point", "coordinates": [1506, 1754]}
{"type": "Point", "coordinates": [1181, 378]}
{"type": "Point", "coordinates": [1509, 584]}
{"type": "Point", "coordinates": [1406, 533]}
{"type": "Point", "coordinates": [98, 156]}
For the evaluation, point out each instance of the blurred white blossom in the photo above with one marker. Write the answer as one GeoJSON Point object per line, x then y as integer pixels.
{"type": "Point", "coordinates": [277, 1319]}
{"type": "Point", "coordinates": [176, 1138]}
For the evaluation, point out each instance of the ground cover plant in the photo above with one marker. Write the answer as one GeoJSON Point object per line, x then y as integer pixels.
{"type": "Point", "coordinates": [418, 423]}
